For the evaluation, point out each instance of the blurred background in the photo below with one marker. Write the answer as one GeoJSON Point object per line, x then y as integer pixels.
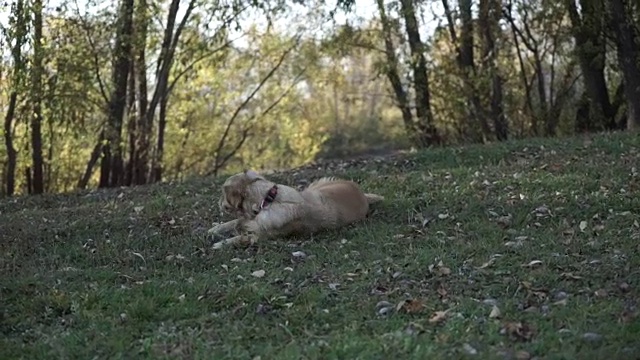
{"type": "Point", "coordinates": [118, 93]}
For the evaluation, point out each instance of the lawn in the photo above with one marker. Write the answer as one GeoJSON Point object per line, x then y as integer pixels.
{"type": "Point", "coordinates": [510, 251]}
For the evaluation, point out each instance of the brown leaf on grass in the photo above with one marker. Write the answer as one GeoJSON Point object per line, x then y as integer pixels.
{"type": "Point", "coordinates": [411, 306]}
{"type": "Point", "coordinates": [439, 316]}
{"type": "Point", "coordinates": [627, 317]}
{"type": "Point", "coordinates": [570, 276]}
{"type": "Point", "coordinates": [517, 330]}
{"type": "Point", "coordinates": [439, 269]}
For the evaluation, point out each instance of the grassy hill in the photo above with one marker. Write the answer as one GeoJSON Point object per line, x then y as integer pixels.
{"type": "Point", "coordinates": [519, 250]}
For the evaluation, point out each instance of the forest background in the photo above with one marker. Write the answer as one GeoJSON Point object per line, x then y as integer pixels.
{"type": "Point", "coordinates": [118, 93]}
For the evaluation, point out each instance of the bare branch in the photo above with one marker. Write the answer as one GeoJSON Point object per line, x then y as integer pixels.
{"type": "Point", "coordinates": [249, 98]}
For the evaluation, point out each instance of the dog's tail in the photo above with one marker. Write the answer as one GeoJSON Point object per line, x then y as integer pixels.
{"type": "Point", "coordinates": [373, 198]}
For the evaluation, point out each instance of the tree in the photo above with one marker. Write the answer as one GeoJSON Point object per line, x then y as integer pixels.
{"type": "Point", "coordinates": [626, 38]}
{"type": "Point", "coordinates": [590, 47]}
{"type": "Point", "coordinates": [111, 168]}
{"type": "Point", "coordinates": [427, 132]}
{"type": "Point", "coordinates": [490, 14]}
{"type": "Point", "coordinates": [16, 33]}
{"type": "Point", "coordinates": [37, 71]}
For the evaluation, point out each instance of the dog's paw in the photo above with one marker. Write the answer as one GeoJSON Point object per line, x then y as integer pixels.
{"type": "Point", "coordinates": [216, 230]}
{"type": "Point", "coordinates": [219, 245]}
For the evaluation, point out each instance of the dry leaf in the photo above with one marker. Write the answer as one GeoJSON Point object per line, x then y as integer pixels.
{"type": "Point", "coordinates": [583, 225]}
{"type": "Point", "coordinates": [487, 264]}
{"type": "Point", "coordinates": [495, 313]}
{"type": "Point", "coordinates": [600, 293]}
{"type": "Point", "coordinates": [258, 273]}
{"type": "Point", "coordinates": [138, 209]}
{"type": "Point", "coordinates": [518, 330]}
{"type": "Point", "coordinates": [533, 263]}
{"type": "Point", "coordinates": [438, 316]}
{"type": "Point", "coordinates": [568, 275]}
{"type": "Point", "coordinates": [522, 355]}
{"type": "Point", "coordinates": [411, 306]}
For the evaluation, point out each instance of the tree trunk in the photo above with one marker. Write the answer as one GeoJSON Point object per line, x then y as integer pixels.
{"type": "Point", "coordinates": [111, 170]}
{"type": "Point", "coordinates": [391, 71]}
{"type": "Point", "coordinates": [19, 24]}
{"type": "Point", "coordinates": [144, 124]}
{"type": "Point", "coordinates": [36, 99]}
{"type": "Point", "coordinates": [591, 50]}
{"type": "Point", "coordinates": [12, 154]}
{"type": "Point", "coordinates": [466, 64]}
{"type": "Point", "coordinates": [428, 134]}
{"type": "Point", "coordinates": [162, 123]}
{"type": "Point", "coordinates": [490, 14]}
{"type": "Point", "coordinates": [162, 92]}
{"type": "Point", "coordinates": [626, 39]}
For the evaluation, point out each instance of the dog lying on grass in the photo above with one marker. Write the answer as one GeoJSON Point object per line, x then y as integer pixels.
{"type": "Point", "coordinates": [264, 209]}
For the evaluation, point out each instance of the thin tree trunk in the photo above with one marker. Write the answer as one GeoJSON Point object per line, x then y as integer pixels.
{"type": "Point", "coordinates": [391, 70]}
{"type": "Point", "coordinates": [36, 99]}
{"type": "Point", "coordinates": [93, 159]}
{"type": "Point", "coordinates": [145, 124]}
{"type": "Point", "coordinates": [490, 14]}
{"type": "Point", "coordinates": [467, 68]}
{"type": "Point", "coordinates": [12, 154]}
{"type": "Point", "coordinates": [19, 24]}
{"type": "Point", "coordinates": [162, 123]}
{"type": "Point", "coordinates": [428, 134]}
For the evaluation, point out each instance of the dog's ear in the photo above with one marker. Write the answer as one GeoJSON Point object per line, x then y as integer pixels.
{"type": "Point", "coordinates": [252, 175]}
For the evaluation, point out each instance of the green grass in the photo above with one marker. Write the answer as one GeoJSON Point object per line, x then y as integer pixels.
{"type": "Point", "coordinates": [129, 273]}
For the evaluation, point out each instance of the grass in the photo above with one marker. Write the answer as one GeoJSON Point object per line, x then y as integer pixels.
{"type": "Point", "coordinates": [519, 250]}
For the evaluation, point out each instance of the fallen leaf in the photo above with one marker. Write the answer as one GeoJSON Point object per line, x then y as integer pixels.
{"type": "Point", "coordinates": [438, 316]}
{"type": "Point", "coordinates": [487, 264]}
{"type": "Point", "coordinates": [299, 254]}
{"type": "Point", "coordinates": [411, 306]}
{"type": "Point", "coordinates": [258, 273]}
{"type": "Point", "coordinates": [568, 275]}
{"type": "Point", "coordinates": [517, 330]}
{"type": "Point", "coordinates": [600, 293]}
{"type": "Point", "coordinates": [495, 312]}
{"type": "Point", "coordinates": [138, 209]}
{"type": "Point", "coordinates": [583, 225]}
{"type": "Point", "coordinates": [533, 263]}
{"type": "Point", "coordinates": [469, 349]}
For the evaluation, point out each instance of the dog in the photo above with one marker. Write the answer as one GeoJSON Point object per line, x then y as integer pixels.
{"type": "Point", "coordinates": [264, 209]}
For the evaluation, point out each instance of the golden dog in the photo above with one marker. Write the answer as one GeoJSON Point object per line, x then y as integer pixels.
{"type": "Point", "coordinates": [264, 209]}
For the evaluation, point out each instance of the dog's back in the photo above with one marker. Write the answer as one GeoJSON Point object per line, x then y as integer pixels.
{"type": "Point", "coordinates": [334, 202]}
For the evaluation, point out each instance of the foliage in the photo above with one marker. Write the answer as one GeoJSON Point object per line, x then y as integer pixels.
{"type": "Point", "coordinates": [276, 84]}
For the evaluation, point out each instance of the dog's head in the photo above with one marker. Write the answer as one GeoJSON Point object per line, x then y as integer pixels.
{"type": "Point", "coordinates": [239, 195]}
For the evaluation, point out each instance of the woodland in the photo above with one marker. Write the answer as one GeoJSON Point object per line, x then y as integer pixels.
{"type": "Point", "coordinates": [100, 94]}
